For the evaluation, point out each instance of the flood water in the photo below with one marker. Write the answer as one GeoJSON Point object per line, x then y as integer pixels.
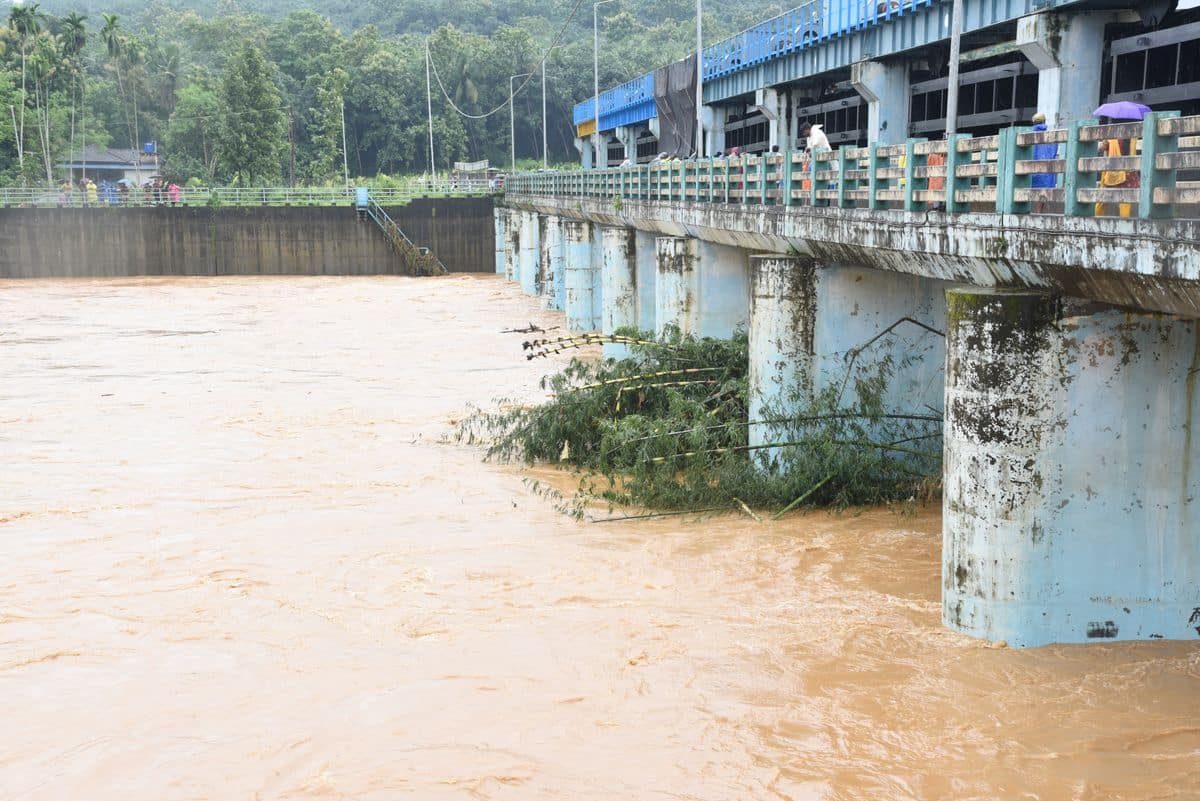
{"type": "Point", "coordinates": [239, 563]}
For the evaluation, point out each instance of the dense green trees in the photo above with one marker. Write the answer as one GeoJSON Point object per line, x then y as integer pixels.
{"type": "Point", "coordinates": [252, 97]}
{"type": "Point", "coordinates": [250, 136]}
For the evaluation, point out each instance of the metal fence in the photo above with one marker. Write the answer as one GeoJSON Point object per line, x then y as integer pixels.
{"type": "Point", "coordinates": [235, 196]}
{"type": "Point", "coordinates": [960, 174]}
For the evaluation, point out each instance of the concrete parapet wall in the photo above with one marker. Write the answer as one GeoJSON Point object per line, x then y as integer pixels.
{"type": "Point", "coordinates": [42, 243]}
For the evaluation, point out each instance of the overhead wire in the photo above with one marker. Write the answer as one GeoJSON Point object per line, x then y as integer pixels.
{"type": "Point", "coordinates": [545, 55]}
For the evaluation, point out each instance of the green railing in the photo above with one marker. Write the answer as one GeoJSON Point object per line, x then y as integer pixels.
{"type": "Point", "coordinates": [235, 196]}
{"type": "Point", "coordinates": [959, 174]}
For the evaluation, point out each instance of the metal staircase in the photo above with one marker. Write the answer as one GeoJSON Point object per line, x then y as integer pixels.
{"type": "Point", "coordinates": [417, 260]}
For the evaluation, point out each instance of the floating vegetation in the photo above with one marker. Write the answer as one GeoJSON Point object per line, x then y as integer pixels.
{"type": "Point", "coordinates": [668, 429]}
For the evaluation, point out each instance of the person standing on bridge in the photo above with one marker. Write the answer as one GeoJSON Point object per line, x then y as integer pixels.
{"type": "Point", "coordinates": [1117, 179]}
{"type": "Point", "coordinates": [1046, 152]}
{"type": "Point", "coordinates": [815, 142]}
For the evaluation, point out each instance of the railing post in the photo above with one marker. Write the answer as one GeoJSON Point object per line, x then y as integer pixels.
{"type": "Point", "coordinates": [762, 180]}
{"type": "Point", "coordinates": [1073, 179]}
{"type": "Point", "coordinates": [786, 183]}
{"type": "Point", "coordinates": [910, 168]}
{"type": "Point", "coordinates": [725, 170]}
{"type": "Point", "coordinates": [873, 162]}
{"type": "Point", "coordinates": [813, 166]}
{"type": "Point", "coordinates": [1007, 180]}
{"type": "Point", "coordinates": [683, 176]}
{"type": "Point", "coordinates": [1152, 178]}
{"type": "Point", "coordinates": [843, 167]}
{"type": "Point", "coordinates": [954, 160]}
{"type": "Point", "coordinates": [712, 179]}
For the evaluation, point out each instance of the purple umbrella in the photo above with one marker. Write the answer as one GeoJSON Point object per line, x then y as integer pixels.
{"type": "Point", "coordinates": [1123, 110]}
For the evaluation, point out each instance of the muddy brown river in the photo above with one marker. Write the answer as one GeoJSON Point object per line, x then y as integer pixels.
{"type": "Point", "coordinates": [239, 562]}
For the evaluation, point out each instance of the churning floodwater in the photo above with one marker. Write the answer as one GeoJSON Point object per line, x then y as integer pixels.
{"type": "Point", "coordinates": [240, 562]}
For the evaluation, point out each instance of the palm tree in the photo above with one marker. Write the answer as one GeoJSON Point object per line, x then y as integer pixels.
{"type": "Point", "coordinates": [117, 45]}
{"type": "Point", "coordinates": [168, 64]}
{"type": "Point", "coordinates": [45, 65]}
{"type": "Point", "coordinates": [26, 22]}
{"type": "Point", "coordinates": [72, 34]}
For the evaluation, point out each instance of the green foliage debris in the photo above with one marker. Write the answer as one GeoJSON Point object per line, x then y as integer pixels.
{"type": "Point", "coordinates": [667, 429]}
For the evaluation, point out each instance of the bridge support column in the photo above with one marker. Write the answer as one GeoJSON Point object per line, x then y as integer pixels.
{"type": "Point", "coordinates": [552, 281]}
{"type": "Point", "coordinates": [724, 290]}
{"type": "Point", "coordinates": [528, 270]}
{"type": "Point", "coordinates": [854, 305]}
{"type": "Point", "coordinates": [678, 277]}
{"type": "Point", "coordinates": [885, 87]}
{"type": "Point", "coordinates": [620, 293]}
{"type": "Point", "coordinates": [1071, 508]}
{"type": "Point", "coordinates": [1068, 50]}
{"type": "Point", "coordinates": [512, 245]}
{"type": "Point", "coordinates": [782, 314]}
{"type": "Point", "coordinates": [647, 279]}
{"type": "Point", "coordinates": [578, 272]}
{"type": "Point", "coordinates": [498, 214]}
{"type": "Point", "coordinates": [807, 321]}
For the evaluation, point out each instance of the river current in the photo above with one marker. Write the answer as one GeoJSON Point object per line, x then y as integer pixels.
{"type": "Point", "coordinates": [241, 562]}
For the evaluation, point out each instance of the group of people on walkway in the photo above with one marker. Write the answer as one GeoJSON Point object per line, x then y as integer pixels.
{"type": "Point", "coordinates": [87, 192]}
{"type": "Point", "coordinates": [816, 143]}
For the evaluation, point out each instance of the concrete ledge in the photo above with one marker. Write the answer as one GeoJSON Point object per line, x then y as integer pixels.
{"type": "Point", "coordinates": [1142, 264]}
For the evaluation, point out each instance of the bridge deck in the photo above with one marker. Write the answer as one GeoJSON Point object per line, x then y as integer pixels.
{"type": "Point", "coordinates": [968, 219]}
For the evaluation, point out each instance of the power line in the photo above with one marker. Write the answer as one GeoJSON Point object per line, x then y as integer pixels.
{"type": "Point", "coordinates": [545, 55]}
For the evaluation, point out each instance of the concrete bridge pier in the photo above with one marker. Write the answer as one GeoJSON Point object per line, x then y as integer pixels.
{"type": "Point", "coordinates": [677, 299]}
{"type": "Point", "coordinates": [530, 253]}
{"type": "Point", "coordinates": [1068, 49]}
{"type": "Point", "coordinates": [619, 308]}
{"type": "Point", "coordinates": [1071, 504]}
{"type": "Point", "coordinates": [814, 326]}
{"type": "Point", "coordinates": [724, 290]}
{"type": "Point", "coordinates": [702, 288]}
{"type": "Point", "coordinates": [551, 262]}
{"type": "Point", "coordinates": [579, 279]}
{"type": "Point", "coordinates": [647, 279]}
{"type": "Point", "coordinates": [782, 312]}
{"type": "Point", "coordinates": [512, 245]}
{"type": "Point", "coordinates": [500, 217]}
{"type": "Point", "coordinates": [885, 87]}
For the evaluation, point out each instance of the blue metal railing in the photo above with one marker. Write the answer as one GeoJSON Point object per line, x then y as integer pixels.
{"type": "Point", "coordinates": [804, 26]}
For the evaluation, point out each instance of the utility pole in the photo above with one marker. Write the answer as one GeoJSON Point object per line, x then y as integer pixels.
{"type": "Point", "coordinates": [512, 118]}
{"type": "Point", "coordinates": [345, 156]}
{"type": "Point", "coordinates": [596, 76]}
{"type": "Point", "coordinates": [291, 148]}
{"type": "Point", "coordinates": [429, 103]}
{"type": "Point", "coordinates": [699, 80]}
{"type": "Point", "coordinates": [955, 57]}
{"type": "Point", "coordinates": [545, 155]}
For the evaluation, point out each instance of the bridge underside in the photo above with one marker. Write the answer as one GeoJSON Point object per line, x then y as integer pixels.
{"type": "Point", "coordinates": [1062, 353]}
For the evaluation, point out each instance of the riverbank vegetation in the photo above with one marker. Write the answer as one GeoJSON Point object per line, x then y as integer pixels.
{"type": "Point", "coordinates": [240, 93]}
{"type": "Point", "coordinates": [668, 428]}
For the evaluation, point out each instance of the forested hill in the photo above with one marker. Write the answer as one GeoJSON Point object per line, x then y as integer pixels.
{"type": "Point", "coordinates": [241, 92]}
{"type": "Point", "coordinates": [394, 17]}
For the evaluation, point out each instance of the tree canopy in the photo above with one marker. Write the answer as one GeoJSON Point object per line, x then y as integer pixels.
{"type": "Point", "coordinates": [233, 94]}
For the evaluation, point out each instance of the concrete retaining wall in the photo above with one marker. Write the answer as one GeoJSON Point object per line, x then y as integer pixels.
{"type": "Point", "coordinates": [36, 243]}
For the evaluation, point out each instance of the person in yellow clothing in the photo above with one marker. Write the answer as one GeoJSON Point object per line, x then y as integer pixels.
{"type": "Point", "coordinates": [1118, 179]}
{"type": "Point", "coordinates": [91, 192]}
